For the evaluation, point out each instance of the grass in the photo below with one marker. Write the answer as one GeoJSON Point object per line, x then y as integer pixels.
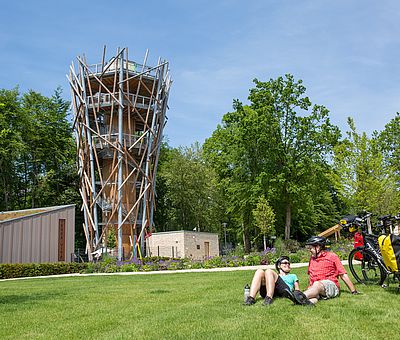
{"type": "Point", "coordinates": [185, 306]}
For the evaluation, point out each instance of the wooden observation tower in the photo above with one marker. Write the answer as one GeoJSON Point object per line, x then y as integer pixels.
{"type": "Point", "coordinates": [119, 108]}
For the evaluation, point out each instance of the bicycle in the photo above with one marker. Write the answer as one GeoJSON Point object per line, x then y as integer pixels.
{"type": "Point", "coordinates": [366, 262]}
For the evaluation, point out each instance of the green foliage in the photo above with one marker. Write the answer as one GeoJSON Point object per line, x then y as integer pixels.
{"type": "Point", "coordinates": [109, 264]}
{"type": "Point", "coordinates": [264, 217]}
{"type": "Point", "coordinates": [8, 271]}
{"type": "Point", "coordinates": [37, 153]}
{"type": "Point", "coordinates": [279, 147]}
{"type": "Point", "coordinates": [300, 256]}
{"type": "Point", "coordinates": [190, 194]}
{"type": "Point", "coordinates": [132, 267]}
{"type": "Point", "coordinates": [364, 180]}
{"type": "Point", "coordinates": [37, 157]}
{"type": "Point", "coordinates": [12, 146]}
{"type": "Point", "coordinates": [342, 248]}
{"type": "Point", "coordinates": [300, 137]}
{"type": "Point", "coordinates": [286, 247]}
{"type": "Point", "coordinates": [237, 251]}
{"type": "Point", "coordinates": [111, 238]}
{"type": "Point", "coordinates": [389, 143]}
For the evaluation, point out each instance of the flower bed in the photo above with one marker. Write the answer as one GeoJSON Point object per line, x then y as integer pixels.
{"type": "Point", "coordinates": [110, 264]}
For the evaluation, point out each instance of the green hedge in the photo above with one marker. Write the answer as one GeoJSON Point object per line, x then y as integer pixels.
{"type": "Point", "coordinates": [14, 270]}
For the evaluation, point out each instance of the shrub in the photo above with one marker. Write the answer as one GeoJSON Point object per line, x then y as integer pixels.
{"type": "Point", "coordinates": [14, 270]}
{"type": "Point", "coordinates": [253, 259]}
{"type": "Point", "coordinates": [238, 251]}
{"type": "Point", "coordinates": [176, 264]}
{"type": "Point", "coordinates": [131, 267]}
{"type": "Point", "coordinates": [213, 262]}
{"type": "Point", "coordinates": [342, 248]}
{"type": "Point", "coordinates": [302, 255]}
{"type": "Point", "coordinates": [109, 264]}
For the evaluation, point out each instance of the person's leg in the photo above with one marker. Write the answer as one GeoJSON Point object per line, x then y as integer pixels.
{"type": "Point", "coordinates": [330, 289]}
{"type": "Point", "coordinates": [258, 280]}
{"type": "Point", "coordinates": [283, 290]}
{"type": "Point", "coordinates": [313, 293]}
{"type": "Point", "coordinates": [270, 279]}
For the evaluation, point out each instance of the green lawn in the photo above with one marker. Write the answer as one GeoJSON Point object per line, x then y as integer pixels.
{"type": "Point", "coordinates": [185, 305]}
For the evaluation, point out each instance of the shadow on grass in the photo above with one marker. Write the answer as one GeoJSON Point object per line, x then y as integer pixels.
{"type": "Point", "coordinates": [395, 289]}
{"type": "Point", "coordinates": [14, 299]}
{"type": "Point", "coordinates": [159, 291]}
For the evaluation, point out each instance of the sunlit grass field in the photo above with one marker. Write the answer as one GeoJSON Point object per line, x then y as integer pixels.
{"type": "Point", "coordinates": [185, 306]}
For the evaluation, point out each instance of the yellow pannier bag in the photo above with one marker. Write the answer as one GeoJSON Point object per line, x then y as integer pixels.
{"type": "Point", "coordinates": [390, 249]}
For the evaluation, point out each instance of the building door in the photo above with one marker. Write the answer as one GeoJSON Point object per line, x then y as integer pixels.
{"type": "Point", "coordinates": [61, 239]}
{"type": "Point", "coordinates": [206, 249]}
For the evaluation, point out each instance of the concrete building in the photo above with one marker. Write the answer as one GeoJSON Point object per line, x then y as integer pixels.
{"type": "Point", "coordinates": [37, 235]}
{"type": "Point", "coordinates": [183, 243]}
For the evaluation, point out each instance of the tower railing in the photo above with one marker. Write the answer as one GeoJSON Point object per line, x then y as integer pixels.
{"type": "Point", "coordinates": [106, 99]}
{"type": "Point", "coordinates": [132, 67]}
{"type": "Point", "coordinates": [120, 112]}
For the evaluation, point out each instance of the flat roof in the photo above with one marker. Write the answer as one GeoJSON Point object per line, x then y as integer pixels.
{"type": "Point", "coordinates": [6, 216]}
{"type": "Point", "coordinates": [182, 231]}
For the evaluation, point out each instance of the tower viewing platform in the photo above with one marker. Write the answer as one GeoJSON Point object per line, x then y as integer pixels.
{"type": "Point", "coordinates": [120, 112]}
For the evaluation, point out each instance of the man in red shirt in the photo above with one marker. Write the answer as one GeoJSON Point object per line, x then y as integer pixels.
{"type": "Point", "coordinates": [324, 269]}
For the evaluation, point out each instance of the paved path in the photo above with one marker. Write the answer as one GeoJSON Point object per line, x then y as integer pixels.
{"type": "Point", "coordinates": [202, 270]}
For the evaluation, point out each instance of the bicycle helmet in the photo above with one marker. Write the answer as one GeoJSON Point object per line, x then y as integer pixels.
{"type": "Point", "coordinates": [278, 262]}
{"type": "Point", "coordinates": [316, 241]}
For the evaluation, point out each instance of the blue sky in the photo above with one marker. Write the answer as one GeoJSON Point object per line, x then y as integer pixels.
{"type": "Point", "coordinates": [346, 52]}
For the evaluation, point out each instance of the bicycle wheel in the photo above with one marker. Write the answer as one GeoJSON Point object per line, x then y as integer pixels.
{"type": "Point", "coordinates": [365, 267]}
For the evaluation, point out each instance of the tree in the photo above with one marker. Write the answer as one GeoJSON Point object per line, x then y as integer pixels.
{"type": "Point", "coordinates": [11, 147]}
{"type": "Point", "coordinates": [237, 150]}
{"type": "Point", "coordinates": [49, 161]}
{"type": "Point", "coordinates": [265, 218]}
{"type": "Point", "coordinates": [300, 142]}
{"type": "Point", "coordinates": [191, 191]}
{"type": "Point", "coordinates": [278, 146]}
{"type": "Point", "coordinates": [389, 144]}
{"type": "Point", "coordinates": [363, 180]}
{"type": "Point", "coordinates": [162, 203]}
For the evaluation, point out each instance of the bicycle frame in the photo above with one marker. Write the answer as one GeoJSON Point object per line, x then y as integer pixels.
{"type": "Point", "coordinates": [371, 243]}
{"type": "Point", "coordinates": [376, 252]}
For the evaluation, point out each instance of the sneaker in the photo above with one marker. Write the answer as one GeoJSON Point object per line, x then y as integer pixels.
{"type": "Point", "coordinates": [302, 299]}
{"type": "Point", "coordinates": [267, 301]}
{"type": "Point", "coordinates": [249, 301]}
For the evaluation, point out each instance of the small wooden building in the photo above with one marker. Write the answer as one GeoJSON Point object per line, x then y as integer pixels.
{"type": "Point", "coordinates": [37, 235]}
{"type": "Point", "coordinates": [183, 243]}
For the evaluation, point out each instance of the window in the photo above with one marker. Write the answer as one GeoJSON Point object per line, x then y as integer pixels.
{"type": "Point", "coordinates": [198, 246]}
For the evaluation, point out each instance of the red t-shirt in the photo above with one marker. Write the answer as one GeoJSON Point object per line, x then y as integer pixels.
{"type": "Point", "coordinates": [326, 266]}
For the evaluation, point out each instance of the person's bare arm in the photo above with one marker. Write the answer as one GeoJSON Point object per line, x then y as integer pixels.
{"type": "Point", "coordinates": [296, 285]}
{"type": "Point", "coordinates": [348, 283]}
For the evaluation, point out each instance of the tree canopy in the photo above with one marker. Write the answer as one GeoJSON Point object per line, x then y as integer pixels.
{"type": "Point", "coordinates": [277, 146]}
{"type": "Point", "coordinates": [276, 166]}
{"type": "Point", "coordinates": [37, 152]}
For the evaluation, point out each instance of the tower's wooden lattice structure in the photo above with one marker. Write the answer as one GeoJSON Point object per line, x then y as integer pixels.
{"type": "Point", "coordinates": [119, 108]}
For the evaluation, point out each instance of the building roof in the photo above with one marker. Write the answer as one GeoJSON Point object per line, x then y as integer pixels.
{"type": "Point", "coordinates": [6, 216]}
{"type": "Point", "coordinates": [182, 232]}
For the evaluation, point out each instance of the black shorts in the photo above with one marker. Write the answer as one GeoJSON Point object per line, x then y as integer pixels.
{"type": "Point", "coordinates": [280, 287]}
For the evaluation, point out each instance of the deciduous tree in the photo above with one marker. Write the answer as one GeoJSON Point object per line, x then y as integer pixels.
{"type": "Point", "coordinates": [265, 218]}
{"type": "Point", "coordinates": [279, 146]}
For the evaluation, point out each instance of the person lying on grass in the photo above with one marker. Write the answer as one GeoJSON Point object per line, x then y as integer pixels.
{"type": "Point", "coordinates": [324, 269]}
{"type": "Point", "coordinates": [269, 284]}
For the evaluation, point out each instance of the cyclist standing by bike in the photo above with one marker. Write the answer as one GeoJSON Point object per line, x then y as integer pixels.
{"type": "Point", "coordinates": [324, 269]}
